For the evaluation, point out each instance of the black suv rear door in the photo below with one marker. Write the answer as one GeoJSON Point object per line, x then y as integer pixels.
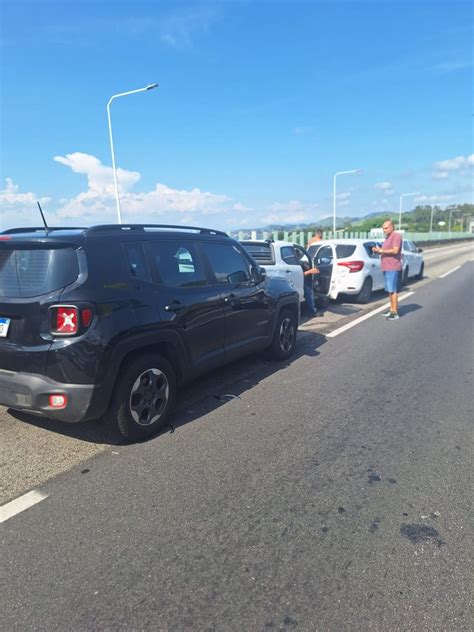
{"type": "Point", "coordinates": [187, 302]}
{"type": "Point", "coordinates": [32, 276]}
{"type": "Point", "coordinates": [248, 307]}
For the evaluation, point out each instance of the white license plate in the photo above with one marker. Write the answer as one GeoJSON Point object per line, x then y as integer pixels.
{"type": "Point", "coordinates": [4, 325]}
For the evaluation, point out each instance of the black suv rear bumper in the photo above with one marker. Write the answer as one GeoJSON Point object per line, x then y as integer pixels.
{"type": "Point", "coordinates": [30, 392]}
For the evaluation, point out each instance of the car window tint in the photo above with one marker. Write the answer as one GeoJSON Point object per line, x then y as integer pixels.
{"type": "Point", "coordinates": [324, 256]}
{"type": "Point", "coordinates": [137, 263]}
{"type": "Point", "coordinates": [227, 262]}
{"type": "Point", "coordinates": [262, 253]}
{"type": "Point", "coordinates": [32, 272]}
{"type": "Point", "coordinates": [177, 263]}
{"type": "Point", "coordinates": [288, 255]}
{"type": "Point", "coordinates": [368, 245]}
{"type": "Point", "coordinates": [344, 250]}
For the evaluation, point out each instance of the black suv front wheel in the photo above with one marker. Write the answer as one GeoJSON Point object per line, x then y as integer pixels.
{"type": "Point", "coordinates": [144, 397]}
{"type": "Point", "coordinates": [284, 339]}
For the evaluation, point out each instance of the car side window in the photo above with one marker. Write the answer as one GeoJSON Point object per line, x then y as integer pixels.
{"type": "Point", "coordinates": [227, 262]}
{"type": "Point", "coordinates": [137, 262]}
{"type": "Point", "coordinates": [324, 256]}
{"type": "Point", "coordinates": [177, 263]}
{"type": "Point", "coordinates": [368, 245]}
{"type": "Point", "coordinates": [288, 255]}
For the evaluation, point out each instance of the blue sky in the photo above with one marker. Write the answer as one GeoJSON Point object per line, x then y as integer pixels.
{"type": "Point", "coordinates": [259, 104]}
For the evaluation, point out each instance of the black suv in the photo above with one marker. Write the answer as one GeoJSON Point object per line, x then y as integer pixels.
{"type": "Point", "coordinates": [108, 320]}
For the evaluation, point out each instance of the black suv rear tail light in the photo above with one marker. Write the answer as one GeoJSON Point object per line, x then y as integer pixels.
{"type": "Point", "coordinates": [69, 320]}
{"type": "Point", "coordinates": [354, 266]}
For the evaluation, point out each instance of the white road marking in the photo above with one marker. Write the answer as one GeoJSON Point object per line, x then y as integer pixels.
{"type": "Point", "coordinates": [20, 504]}
{"type": "Point", "coordinates": [355, 322]}
{"type": "Point", "coordinates": [449, 272]}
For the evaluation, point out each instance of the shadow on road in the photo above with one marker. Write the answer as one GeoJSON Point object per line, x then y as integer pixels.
{"type": "Point", "coordinates": [405, 309]}
{"type": "Point", "coordinates": [195, 399]}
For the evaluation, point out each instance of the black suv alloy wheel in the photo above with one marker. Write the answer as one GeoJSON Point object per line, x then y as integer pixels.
{"type": "Point", "coordinates": [144, 397]}
{"type": "Point", "coordinates": [149, 397]}
{"type": "Point", "coordinates": [285, 336]}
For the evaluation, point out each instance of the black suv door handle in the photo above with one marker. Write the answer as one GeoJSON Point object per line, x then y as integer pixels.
{"type": "Point", "coordinates": [175, 307]}
{"type": "Point", "coordinates": [232, 300]}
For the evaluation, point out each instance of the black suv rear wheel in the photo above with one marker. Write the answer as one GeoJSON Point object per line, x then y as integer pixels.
{"type": "Point", "coordinates": [144, 397]}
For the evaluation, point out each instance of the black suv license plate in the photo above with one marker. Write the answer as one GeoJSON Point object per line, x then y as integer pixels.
{"type": "Point", "coordinates": [4, 325]}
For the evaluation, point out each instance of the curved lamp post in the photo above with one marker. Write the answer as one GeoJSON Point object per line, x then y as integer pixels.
{"type": "Point", "coordinates": [115, 96]}
{"type": "Point", "coordinates": [339, 173]}
{"type": "Point", "coordinates": [400, 210]}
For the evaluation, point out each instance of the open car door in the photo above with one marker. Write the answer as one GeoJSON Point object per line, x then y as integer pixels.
{"type": "Point", "coordinates": [325, 283]}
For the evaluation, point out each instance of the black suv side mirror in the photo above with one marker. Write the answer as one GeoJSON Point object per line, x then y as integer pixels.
{"type": "Point", "coordinates": [258, 274]}
{"type": "Point", "coordinates": [419, 250]}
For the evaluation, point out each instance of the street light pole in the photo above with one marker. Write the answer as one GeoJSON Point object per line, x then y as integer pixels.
{"type": "Point", "coordinates": [431, 219]}
{"type": "Point", "coordinates": [115, 96]}
{"type": "Point", "coordinates": [400, 210]}
{"type": "Point", "coordinates": [450, 215]}
{"type": "Point", "coordinates": [339, 173]}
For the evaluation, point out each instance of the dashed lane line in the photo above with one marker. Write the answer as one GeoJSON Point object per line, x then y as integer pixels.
{"type": "Point", "coordinates": [20, 504]}
{"type": "Point", "coordinates": [449, 272]}
{"type": "Point", "coordinates": [355, 322]}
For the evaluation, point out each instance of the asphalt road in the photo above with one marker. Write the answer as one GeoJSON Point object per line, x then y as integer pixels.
{"type": "Point", "coordinates": [333, 494]}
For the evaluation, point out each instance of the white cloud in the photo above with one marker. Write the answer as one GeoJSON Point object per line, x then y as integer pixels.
{"type": "Point", "coordinates": [459, 165]}
{"type": "Point", "coordinates": [19, 209]}
{"type": "Point", "coordinates": [302, 131]}
{"type": "Point", "coordinates": [289, 212]}
{"type": "Point", "coordinates": [241, 208]}
{"type": "Point", "coordinates": [433, 199]}
{"type": "Point", "coordinates": [386, 187]}
{"type": "Point", "coordinates": [99, 177]}
{"type": "Point", "coordinates": [97, 204]}
{"type": "Point", "coordinates": [452, 66]}
{"type": "Point", "coordinates": [179, 29]}
{"type": "Point", "coordinates": [285, 218]}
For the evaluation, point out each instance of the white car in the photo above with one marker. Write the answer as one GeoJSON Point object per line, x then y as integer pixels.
{"type": "Point", "coordinates": [348, 266]}
{"type": "Point", "coordinates": [413, 261]}
{"type": "Point", "coordinates": [279, 260]}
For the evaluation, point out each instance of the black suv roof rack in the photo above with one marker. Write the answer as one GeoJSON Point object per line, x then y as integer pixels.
{"type": "Point", "coordinates": [143, 227]}
{"type": "Point", "coordinates": [39, 229]}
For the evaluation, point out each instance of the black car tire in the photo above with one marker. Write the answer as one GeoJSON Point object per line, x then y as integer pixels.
{"type": "Point", "coordinates": [284, 338]}
{"type": "Point", "coordinates": [144, 398]}
{"type": "Point", "coordinates": [365, 292]}
{"type": "Point", "coordinates": [406, 274]}
{"type": "Point", "coordinates": [419, 276]}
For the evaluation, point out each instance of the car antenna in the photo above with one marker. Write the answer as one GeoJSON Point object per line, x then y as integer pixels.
{"type": "Point", "coordinates": [41, 211]}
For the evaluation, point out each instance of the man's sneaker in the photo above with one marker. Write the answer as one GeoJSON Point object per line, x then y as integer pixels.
{"type": "Point", "coordinates": [393, 316]}
{"type": "Point", "coordinates": [387, 313]}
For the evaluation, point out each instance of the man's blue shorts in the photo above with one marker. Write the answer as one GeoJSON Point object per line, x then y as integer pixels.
{"type": "Point", "coordinates": [390, 278]}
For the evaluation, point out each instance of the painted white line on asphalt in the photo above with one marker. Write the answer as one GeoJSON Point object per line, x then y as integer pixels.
{"type": "Point", "coordinates": [355, 322]}
{"type": "Point", "coordinates": [449, 272]}
{"type": "Point", "coordinates": [20, 504]}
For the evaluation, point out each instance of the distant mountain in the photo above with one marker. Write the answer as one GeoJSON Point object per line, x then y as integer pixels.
{"type": "Point", "coordinates": [322, 223]}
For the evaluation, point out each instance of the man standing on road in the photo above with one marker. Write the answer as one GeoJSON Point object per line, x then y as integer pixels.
{"type": "Point", "coordinates": [391, 262]}
{"type": "Point", "coordinates": [308, 272]}
{"type": "Point", "coordinates": [318, 236]}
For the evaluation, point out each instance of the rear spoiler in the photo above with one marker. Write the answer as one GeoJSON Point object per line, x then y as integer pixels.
{"type": "Point", "coordinates": [39, 229]}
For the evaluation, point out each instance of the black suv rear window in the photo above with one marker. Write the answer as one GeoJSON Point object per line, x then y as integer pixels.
{"type": "Point", "coordinates": [261, 253]}
{"type": "Point", "coordinates": [26, 273]}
